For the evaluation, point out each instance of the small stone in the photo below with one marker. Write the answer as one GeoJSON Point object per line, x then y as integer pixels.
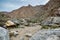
{"type": "Point", "coordinates": [28, 34]}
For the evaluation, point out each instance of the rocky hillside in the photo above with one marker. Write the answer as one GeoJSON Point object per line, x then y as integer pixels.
{"type": "Point", "coordinates": [25, 11]}
{"type": "Point", "coordinates": [39, 12]}
{"type": "Point", "coordinates": [52, 6]}
{"type": "Point", "coordinates": [3, 18]}
{"type": "Point", "coordinates": [4, 12]}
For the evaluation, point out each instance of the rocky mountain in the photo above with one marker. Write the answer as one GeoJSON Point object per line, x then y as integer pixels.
{"type": "Point", "coordinates": [52, 6]}
{"type": "Point", "coordinates": [39, 12]}
{"type": "Point", "coordinates": [25, 11]}
{"type": "Point", "coordinates": [4, 12]}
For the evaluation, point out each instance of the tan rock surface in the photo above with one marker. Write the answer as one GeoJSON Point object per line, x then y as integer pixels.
{"type": "Point", "coordinates": [23, 31]}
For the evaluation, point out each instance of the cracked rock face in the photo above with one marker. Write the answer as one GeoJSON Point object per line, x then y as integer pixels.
{"type": "Point", "coordinates": [4, 34]}
{"type": "Point", "coordinates": [53, 37]}
{"type": "Point", "coordinates": [46, 35]}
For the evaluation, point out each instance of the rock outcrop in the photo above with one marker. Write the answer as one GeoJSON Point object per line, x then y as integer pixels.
{"type": "Point", "coordinates": [53, 34]}
{"type": "Point", "coordinates": [4, 34]}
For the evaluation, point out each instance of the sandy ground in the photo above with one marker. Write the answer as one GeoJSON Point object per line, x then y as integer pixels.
{"type": "Point", "coordinates": [23, 31]}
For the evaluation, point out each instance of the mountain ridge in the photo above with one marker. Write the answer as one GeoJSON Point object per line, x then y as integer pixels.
{"type": "Point", "coordinates": [39, 12]}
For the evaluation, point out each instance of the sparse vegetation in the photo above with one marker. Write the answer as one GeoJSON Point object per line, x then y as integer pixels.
{"type": "Point", "coordinates": [51, 27]}
{"type": "Point", "coordinates": [33, 21]}
{"type": "Point", "coordinates": [3, 19]}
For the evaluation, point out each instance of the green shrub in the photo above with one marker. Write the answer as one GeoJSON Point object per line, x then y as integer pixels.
{"type": "Point", "coordinates": [51, 27]}
{"type": "Point", "coordinates": [33, 20]}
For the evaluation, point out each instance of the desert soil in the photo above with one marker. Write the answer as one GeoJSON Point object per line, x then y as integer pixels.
{"type": "Point", "coordinates": [22, 31]}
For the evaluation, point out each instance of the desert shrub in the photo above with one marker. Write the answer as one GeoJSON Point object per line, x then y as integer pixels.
{"type": "Point", "coordinates": [3, 19]}
{"type": "Point", "coordinates": [51, 27]}
{"type": "Point", "coordinates": [16, 26]}
{"type": "Point", "coordinates": [44, 27]}
{"type": "Point", "coordinates": [33, 20]}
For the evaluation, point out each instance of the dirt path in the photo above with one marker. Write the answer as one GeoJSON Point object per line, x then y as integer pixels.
{"type": "Point", "coordinates": [23, 31]}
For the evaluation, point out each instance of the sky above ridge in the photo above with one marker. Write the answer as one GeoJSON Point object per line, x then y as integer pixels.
{"type": "Point", "coordinates": [9, 5]}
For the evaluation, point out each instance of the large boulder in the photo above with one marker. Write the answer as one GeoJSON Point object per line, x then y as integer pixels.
{"type": "Point", "coordinates": [4, 34]}
{"type": "Point", "coordinates": [51, 21]}
{"type": "Point", "coordinates": [53, 37]}
{"type": "Point", "coordinates": [53, 34]}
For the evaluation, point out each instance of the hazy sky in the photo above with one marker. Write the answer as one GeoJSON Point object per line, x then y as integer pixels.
{"type": "Point", "coordinates": [9, 5]}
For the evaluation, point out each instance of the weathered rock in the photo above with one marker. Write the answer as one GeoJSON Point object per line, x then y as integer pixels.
{"type": "Point", "coordinates": [4, 34]}
{"type": "Point", "coordinates": [53, 37]}
{"type": "Point", "coordinates": [13, 33]}
{"type": "Point", "coordinates": [51, 21]}
{"type": "Point", "coordinates": [47, 35]}
{"type": "Point", "coordinates": [28, 34]}
{"type": "Point", "coordinates": [21, 38]}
